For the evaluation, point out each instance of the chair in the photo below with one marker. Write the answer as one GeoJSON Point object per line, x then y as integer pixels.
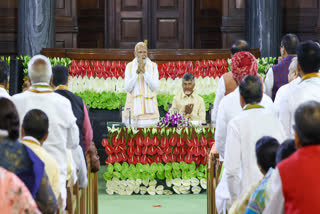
{"type": "Point", "coordinates": [214, 171]}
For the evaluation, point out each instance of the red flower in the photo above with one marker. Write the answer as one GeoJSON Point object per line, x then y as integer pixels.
{"type": "Point", "coordinates": [155, 141]}
{"type": "Point", "coordinates": [124, 157]}
{"type": "Point", "coordinates": [211, 142]}
{"type": "Point", "coordinates": [203, 160]}
{"type": "Point", "coordinates": [164, 143]}
{"type": "Point", "coordinates": [131, 160]}
{"type": "Point", "coordinates": [117, 149]}
{"type": "Point", "coordinates": [203, 141]}
{"type": "Point", "coordinates": [180, 158]}
{"type": "Point", "coordinates": [188, 158]}
{"type": "Point", "coordinates": [183, 150]}
{"type": "Point", "coordinates": [165, 158]}
{"type": "Point", "coordinates": [147, 141]}
{"type": "Point", "coordinates": [130, 151]}
{"type": "Point", "coordinates": [111, 159]}
{"type": "Point", "coordinates": [122, 141]}
{"type": "Point", "coordinates": [173, 141]}
{"type": "Point", "coordinates": [139, 141]}
{"type": "Point", "coordinates": [137, 150]}
{"type": "Point", "coordinates": [197, 151]}
{"type": "Point", "coordinates": [115, 141]}
{"type": "Point", "coordinates": [131, 142]}
{"type": "Point", "coordinates": [149, 160]}
{"type": "Point", "coordinates": [143, 159]}
{"type": "Point", "coordinates": [189, 142]}
{"type": "Point", "coordinates": [157, 159]}
{"type": "Point", "coordinates": [137, 159]}
{"type": "Point", "coordinates": [144, 150]}
{"type": "Point", "coordinates": [104, 142]}
{"type": "Point", "coordinates": [176, 150]}
{"type": "Point", "coordinates": [204, 151]}
{"type": "Point", "coordinates": [173, 158]}
{"type": "Point", "coordinates": [167, 150]}
{"type": "Point", "coordinates": [191, 150]}
{"type": "Point", "coordinates": [197, 160]}
{"type": "Point", "coordinates": [118, 158]}
{"type": "Point", "coordinates": [180, 142]}
{"type": "Point", "coordinates": [195, 142]}
{"type": "Point", "coordinates": [152, 150]}
{"type": "Point", "coordinates": [109, 150]}
{"type": "Point", "coordinates": [159, 150]}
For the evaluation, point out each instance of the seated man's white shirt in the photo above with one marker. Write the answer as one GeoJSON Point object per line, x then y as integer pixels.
{"type": "Point", "coordinates": [276, 203]}
{"type": "Point", "coordinates": [306, 90]}
{"type": "Point", "coordinates": [240, 164]}
{"type": "Point", "coordinates": [283, 91]}
{"type": "Point", "coordinates": [63, 130]}
{"type": "Point", "coordinates": [4, 93]}
{"type": "Point", "coordinates": [221, 91]}
{"type": "Point", "coordinates": [141, 93]}
{"type": "Point", "coordinates": [268, 83]}
{"type": "Point", "coordinates": [228, 109]}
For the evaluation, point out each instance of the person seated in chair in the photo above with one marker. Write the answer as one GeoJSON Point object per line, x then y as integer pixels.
{"type": "Point", "coordinates": [188, 103]}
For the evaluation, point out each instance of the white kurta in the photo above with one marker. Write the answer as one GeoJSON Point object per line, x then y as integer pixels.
{"type": "Point", "coordinates": [63, 130]}
{"type": "Point", "coordinates": [221, 91]}
{"type": "Point", "coordinates": [282, 93]}
{"type": "Point", "coordinates": [228, 109]}
{"type": "Point", "coordinates": [4, 93]}
{"type": "Point", "coordinates": [240, 164]}
{"type": "Point", "coordinates": [268, 82]}
{"type": "Point", "coordinates": [306, 90]}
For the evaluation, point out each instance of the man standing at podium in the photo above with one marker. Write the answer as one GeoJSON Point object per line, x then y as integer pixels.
{"type": "Point", "coordinates": [141, 82]}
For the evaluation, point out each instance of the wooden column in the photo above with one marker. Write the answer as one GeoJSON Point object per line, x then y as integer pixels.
{"type": "Point", "coordinates": [36, 26]}
{"type": "Point", "coordinates": [263, 21]}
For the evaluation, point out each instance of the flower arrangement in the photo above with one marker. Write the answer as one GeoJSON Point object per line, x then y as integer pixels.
{"type": "Point", "coordinates": [173, 120]}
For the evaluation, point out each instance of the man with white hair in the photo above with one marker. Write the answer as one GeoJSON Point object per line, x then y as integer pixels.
{"type": "Point", "coordinates": [63, 130]}
{"type": "Point", "coordinates": [141, 82]}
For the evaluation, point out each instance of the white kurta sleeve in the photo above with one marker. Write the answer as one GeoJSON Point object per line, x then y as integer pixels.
{"type": "Point", "coordinates": [130, 77]}
{"type": "Point", "coordinates": [78, 158]}
{"type": "Point", "coordinates": [276, 203]}
{"type": "Point", "coordinates": [152, 76]}
{"type": "Point", "coordinates": [268, 82]}
{"type": "Point", "coordinates": [72, 129]}
{"type": "Point", "coordinates": [232, 161]}
{"type": "Point", "coordinates": [221, 130]}
{"type": "Point", "coordinates": [285, 116]}
{"type": "Point", "coordinates": [219, 95]}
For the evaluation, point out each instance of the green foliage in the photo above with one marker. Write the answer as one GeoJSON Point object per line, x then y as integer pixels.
{"type": "Point", "coordinates": [161, 171]}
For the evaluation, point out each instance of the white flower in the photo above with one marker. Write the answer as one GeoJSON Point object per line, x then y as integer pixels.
{"type": "Point", "coordinates": [129, 190]}
{"type": "Point", "coordinates": [169, 183]}
{"type": "Point", "coordinates": [136, 189]}
{"type": "Point", "coordinates": [159, 189]}
{"type": "Point", "coordinates": [176, 182]}
{"type": "Point", "coordinates": [146, 182]}
{"type": "Point", "coordinates": [203, 183]}
{"type": "Point", "coordinates": [109, 192]}
{"type": "Point", "coordinates": [186, 182]}
{"type": "Point", "coordinates": [143, 190]}
{"type": "Point", "coordinates": [185, 189]}
{"type": "Point", "coordinates": [196, 190]}
{"type": "Point", "coordinates": [151, 190]}
{"type": "Point", "coordinates": [194, 182]}
{"type": "Point", "coordinates": [176, 189]}
{"type": "Point", "coordinates": [116, 181]}
{"type": "Point", "coordinates": [138, 182]}
{"type": "Point", "coordinates": [153, 183]}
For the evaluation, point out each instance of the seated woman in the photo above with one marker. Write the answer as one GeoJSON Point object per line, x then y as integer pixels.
{"type": "Point", "coordinates": [260, 197]}
{"type": "Point", "coordinates": [266, 150]}
{"type": "Point", "coordinates": [20, 160]}
{"type": "Point", "coordinates": [14, 195]}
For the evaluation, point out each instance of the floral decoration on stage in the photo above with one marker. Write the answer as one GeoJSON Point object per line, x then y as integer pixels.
{"type": "Point", "coordinates": [173, 120]}
{"type": "Point", "coordinates": [157, 160]}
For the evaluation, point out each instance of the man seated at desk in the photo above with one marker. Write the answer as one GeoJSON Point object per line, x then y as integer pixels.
{"type": "Point", "coordinates": [188, 103]}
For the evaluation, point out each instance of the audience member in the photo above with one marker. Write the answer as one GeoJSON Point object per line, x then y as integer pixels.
{"type": "Point", "coordinates": [188, 103]}
{"type": "Point", "coordinates": [244, 130]}
{"type": "Point", "coordinates": [266, 150]}
{"type": "Point", "coordinates": [63, 130]}
{"type": "Point", "coordinates": [34, 132]}
{"type": "Point", "coordinates": [242, 64]}
{"type": "Point", "coordinates": [20, 160]}
{"type": "Point", "coordinates": [14, 195]}
{"type": "Point", "coordinates": [295, 186]}
{"type": "Point", "coordinates": [277, 75]}
{"type": "Point", "coordinates": [308, 89]}
{"type": "Point", "coordinates": [227, 83]}
{"type": "Point", "coordinates": [4, 73]}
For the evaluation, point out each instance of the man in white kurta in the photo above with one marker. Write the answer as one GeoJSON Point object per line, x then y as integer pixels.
{"type": "Point", "coordinates": [227, 83]}
{"type": "Point", "coordinates": [230, 104]}
{"type": "Point", "coordinates": [244, 130]}
{"type": "Point", "coordinates": [63, 131]}
{"type": "Point", "coordinates": [141, 82]}
{"type": "Point", "coordinates": [309, 87]}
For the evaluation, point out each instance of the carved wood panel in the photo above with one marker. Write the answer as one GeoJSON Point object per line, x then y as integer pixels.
{"type": "Point", "coordinates": [131, 5]}
{"type": "Point", "coordinates": [167, 4]}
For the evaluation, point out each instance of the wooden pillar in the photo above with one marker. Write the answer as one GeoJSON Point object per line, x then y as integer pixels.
{"type": "Point", "coordinates": [36, 26]}
{"type": "Point", "coordinates": [263, 25]}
